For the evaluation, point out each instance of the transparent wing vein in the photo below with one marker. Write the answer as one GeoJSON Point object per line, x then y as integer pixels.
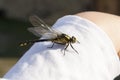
{"type": "Point", "coordinates": [41, 28]}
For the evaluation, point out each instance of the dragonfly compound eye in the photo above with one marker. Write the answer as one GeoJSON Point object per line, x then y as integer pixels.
{"type": "Point", "coordinates": [73, 39]}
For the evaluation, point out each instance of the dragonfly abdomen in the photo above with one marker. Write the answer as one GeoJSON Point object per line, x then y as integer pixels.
{"type": "Point", "coordinates": [33, 41]}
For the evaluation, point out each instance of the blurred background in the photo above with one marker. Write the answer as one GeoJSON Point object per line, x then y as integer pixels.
{"type": "Point", "coordinates": [14, 21]}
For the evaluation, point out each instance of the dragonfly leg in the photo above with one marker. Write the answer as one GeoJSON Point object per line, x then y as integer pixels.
{"type": "Point", "coordinates": [52, 45]}
{"type": "Point", "coordinates": [73, 48]}
{"type": "Point", "coordinates": [66, 47]}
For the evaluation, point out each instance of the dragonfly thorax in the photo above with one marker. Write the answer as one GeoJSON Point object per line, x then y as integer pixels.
{"type": "Point", "coordinates": [66, 39]}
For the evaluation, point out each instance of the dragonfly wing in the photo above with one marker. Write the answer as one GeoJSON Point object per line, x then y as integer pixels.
{"type": "Point", "coordinates": [38, 31]}
{"type": "Point", "coordinates": [37, 22]}
{"type": "Point", "coordinates": [41, 28]}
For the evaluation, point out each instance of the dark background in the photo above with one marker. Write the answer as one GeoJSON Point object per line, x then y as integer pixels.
{"type": "Point", "coordinates": [14, 22]}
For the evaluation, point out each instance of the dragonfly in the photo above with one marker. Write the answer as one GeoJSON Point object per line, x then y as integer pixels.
{"type": "Point", "coordinates": [42, 29]}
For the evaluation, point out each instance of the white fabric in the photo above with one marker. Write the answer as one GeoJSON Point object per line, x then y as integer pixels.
{"type": "Point", "coordinates": [3, 79]}
{"type": "Point", "coordinates": [97, 58]}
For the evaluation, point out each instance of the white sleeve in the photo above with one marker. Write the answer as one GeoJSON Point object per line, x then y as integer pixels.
{"type": "Point", "coordinates": [97, 58]}
{"type": "Point", "coordinates": [3, 79]}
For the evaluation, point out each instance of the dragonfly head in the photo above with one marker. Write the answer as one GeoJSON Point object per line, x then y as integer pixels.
{"type": "Point", "coordinates": [73, 39]}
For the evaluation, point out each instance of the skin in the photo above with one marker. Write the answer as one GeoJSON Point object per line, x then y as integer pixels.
{"type": "Point", "coordinates": [107, 22]}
